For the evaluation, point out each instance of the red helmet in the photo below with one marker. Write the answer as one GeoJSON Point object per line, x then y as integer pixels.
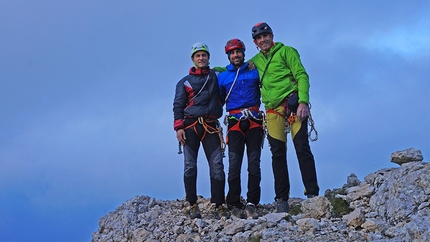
{"type": "Point", "coordinates": [234, 44]}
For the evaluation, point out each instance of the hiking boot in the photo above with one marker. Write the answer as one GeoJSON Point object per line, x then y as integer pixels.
{"type": "Point", "coordinates": [221, 211]}
{"type": "Point", "coordinates": [251, 211]}
{"type": "Point", "coordinates": [282, 206]}
{"type": "Point", "coordinates": [310, 196]}
{"type": "Point", "coordinates": [195, 212]}
{"type": "Point", "coordinates": [237, 212]}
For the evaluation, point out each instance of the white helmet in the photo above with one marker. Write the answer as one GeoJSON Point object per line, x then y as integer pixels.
{"type": "Point", "coordinates": [198, 47]}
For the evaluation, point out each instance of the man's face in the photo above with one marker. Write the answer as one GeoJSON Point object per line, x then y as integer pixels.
{"type": "Point", "coordinates": [264, 41]}
{"type": "Point", "coordinates": [236, 57]}
{"type": "Point", "coordinates": [201, 59]}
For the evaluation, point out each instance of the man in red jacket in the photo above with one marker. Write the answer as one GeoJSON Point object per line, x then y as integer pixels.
{"type": "Point", "coordinates": [196, 109]}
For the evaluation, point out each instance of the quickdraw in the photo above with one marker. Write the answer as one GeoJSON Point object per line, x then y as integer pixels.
{"type": "Point", "coordinates": [265, 132]}
{"type": "Point", "coordinates": [246, 113]}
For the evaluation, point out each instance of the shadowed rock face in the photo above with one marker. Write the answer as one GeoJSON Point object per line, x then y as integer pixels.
{"type": "Point", "coordinates": [391, 204]}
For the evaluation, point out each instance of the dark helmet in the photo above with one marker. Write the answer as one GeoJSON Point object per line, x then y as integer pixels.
{"type": "Point", "coordinates": [261, 28]}
{"type": "Point", "coordinates": [234, 44]}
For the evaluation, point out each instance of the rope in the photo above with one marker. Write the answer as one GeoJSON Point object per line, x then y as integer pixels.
{"type": "Point", "coordinates": [312, 125]}
{"type": "Point", "coordinates": [201, 89]}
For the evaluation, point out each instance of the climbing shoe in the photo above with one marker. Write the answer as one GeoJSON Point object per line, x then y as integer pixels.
{"type": "Point", "coordinates": [195, 212]}
{"type": "Point", "coordinates": [251, 212]}
{"type": "Point", "coordinates": [220, 211]}
{"type": "Point", "coordinates": [236, 212]}
{"type": "Point", "coordinates": [282, 206]}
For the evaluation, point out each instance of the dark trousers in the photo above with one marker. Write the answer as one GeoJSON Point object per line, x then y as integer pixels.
{"type": "Point", "coordinates": [239, 137]}
{"type": "Point", "coordinates": [305, 159]}
{"type": "Point", "coordinates": [212, 148]}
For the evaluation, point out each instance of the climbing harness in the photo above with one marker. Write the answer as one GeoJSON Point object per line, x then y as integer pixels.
{"type": "Point", "coordinates": [208, 130]}
{"type": "Point", "coordinates": [247, 113]}
{"type": "Point", "coordinates": [290, 118]}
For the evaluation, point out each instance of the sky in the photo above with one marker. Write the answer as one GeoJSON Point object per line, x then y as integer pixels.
{"type": "Point", "coordinates": [86, 93]}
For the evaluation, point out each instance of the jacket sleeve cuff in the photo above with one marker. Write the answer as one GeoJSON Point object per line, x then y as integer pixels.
{"type": "Point", "coordinates": [178, 124]}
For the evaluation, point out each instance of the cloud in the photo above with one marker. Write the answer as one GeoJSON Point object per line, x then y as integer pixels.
{"type": "Point", "coordinates": [409, 41]}
{"type": "Point", "coordinates": [87, 91]}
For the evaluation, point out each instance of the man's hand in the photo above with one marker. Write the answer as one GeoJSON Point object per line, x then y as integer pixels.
{"type": "Point", "coordinates": [251, 65]}
{"type": "Point", "coordinates": [180, 135]}
{"type": "Point", "coordinates": [302, 111]}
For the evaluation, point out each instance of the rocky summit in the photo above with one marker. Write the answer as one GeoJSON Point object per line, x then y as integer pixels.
{"type": "Point", "coordinates": [391, 204]}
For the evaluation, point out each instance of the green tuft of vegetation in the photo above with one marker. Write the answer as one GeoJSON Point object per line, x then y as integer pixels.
{"type": "Point", "coordinates": [340, 207]}
{"type": "Point", "coordinates": [255, 238]}
{"type": "Point", "coordinates": [296, 209]}
{"type": "Point", "coordinates": [288, 218]}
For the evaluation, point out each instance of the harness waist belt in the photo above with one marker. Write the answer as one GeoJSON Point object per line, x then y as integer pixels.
{"type": "Point", "coordinates": [209, 120]}
{"type": "Point", "coordinates": [237, 111]}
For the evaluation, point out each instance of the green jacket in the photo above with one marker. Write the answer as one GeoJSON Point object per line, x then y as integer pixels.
{"type": "Point", "coordinates": [284, 75]}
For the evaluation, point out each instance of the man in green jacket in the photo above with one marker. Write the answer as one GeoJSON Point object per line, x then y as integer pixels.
{"type": "Point", "coordinates": [285, 94]}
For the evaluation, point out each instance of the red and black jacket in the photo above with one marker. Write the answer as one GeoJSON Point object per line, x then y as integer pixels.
{"type": "Point", "coordinates": [194, 98]}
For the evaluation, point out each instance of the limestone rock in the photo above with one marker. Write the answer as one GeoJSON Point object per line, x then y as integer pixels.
{"type": "Point", "coordinates": [405, 156]}
{"type": "Point", "coordinates": [308, 225]}
{"type": "Point", "coordinates": [358, 192]}
{"type": "Point", "coordinates": [317, 207]}
{"type": "Point", "coordinates": [355, 219]}
{"type": "Point", "coordinates": [352, 180]}
{"type": "Point", "coordinates": [391, 204]}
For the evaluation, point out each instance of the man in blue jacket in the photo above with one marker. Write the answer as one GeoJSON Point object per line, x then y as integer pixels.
{"type": "Point", "coordinates": [239, 89]}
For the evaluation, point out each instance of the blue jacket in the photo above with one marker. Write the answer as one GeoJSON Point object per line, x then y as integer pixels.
{"type": "Point", "coordinates": [246, 89]}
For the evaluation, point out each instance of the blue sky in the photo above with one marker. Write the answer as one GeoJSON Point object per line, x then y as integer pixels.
{"type": "Point", "coordinates": [87, 88]}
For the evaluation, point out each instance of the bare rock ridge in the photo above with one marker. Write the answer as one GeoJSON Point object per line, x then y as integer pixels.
{"type": "Point", "coordinates": [391, 204]}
